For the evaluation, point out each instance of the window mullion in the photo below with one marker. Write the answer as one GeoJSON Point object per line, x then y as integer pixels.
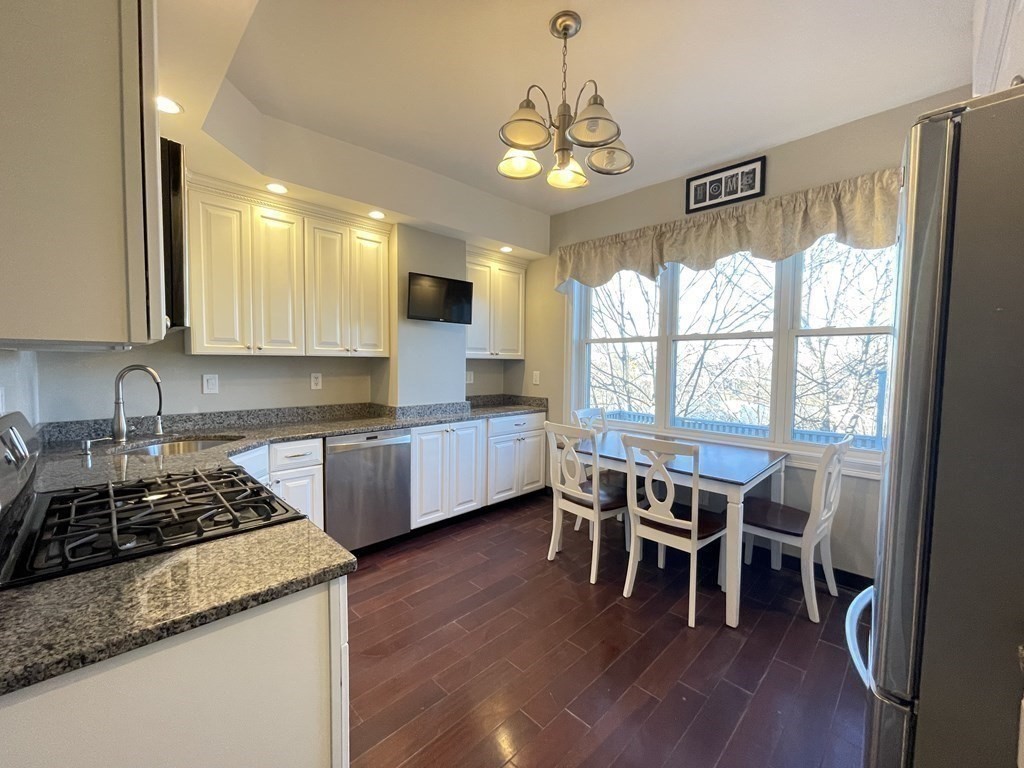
{"type": "Point", "coordinates": [664, 370]}
{"type": "Point", "coordinates": [787, 317]}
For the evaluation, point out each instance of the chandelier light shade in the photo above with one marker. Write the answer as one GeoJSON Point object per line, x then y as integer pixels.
{"type": "Point", "coordinates": [592, 128]}
{"type": "Point", "coordinates": [611, 159]}
{"type": "Point", "coordinates": [526, 129]}
{"type": "Point", "coordinates": [520, 164]}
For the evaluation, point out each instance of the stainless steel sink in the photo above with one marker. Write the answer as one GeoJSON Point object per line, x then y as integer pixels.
{"type": "Point", "coordinates": [177, 447]}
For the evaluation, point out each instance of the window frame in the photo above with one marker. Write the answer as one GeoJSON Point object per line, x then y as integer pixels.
{"type": "Point", "coordinates": [785, 335]}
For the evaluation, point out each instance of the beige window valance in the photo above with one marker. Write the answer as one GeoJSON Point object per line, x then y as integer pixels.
{"type": "Point", "coordinates": [861, 212]}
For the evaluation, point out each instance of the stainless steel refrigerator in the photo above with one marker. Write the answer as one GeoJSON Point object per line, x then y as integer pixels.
{"type": "Point", "coordinates": [947, 605]}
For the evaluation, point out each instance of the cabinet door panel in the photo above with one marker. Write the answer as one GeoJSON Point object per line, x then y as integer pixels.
{"type": "Point", "coordinates": [429, 459]}
{"type": "Point", "coordinates": [220, 278]}
{"type": "Point", "coordinates": [502, 473]}
{"type": "Point", "coordinates": [467, 466]}
{"type": "Point", "coordinates": [368, 294]}
{"type": "Point", "coordinates": [508, 289]}
{"type": "Point", "coordinates": [531, 461]}
{"type": "Point", "coordinates": [327, 260]}
{"type": "Point", "coordinates": [302, 488]}
{"type": "Point", "coordinates": [278, 283]}
{"type": "Point", "coordinates": [478, 334]}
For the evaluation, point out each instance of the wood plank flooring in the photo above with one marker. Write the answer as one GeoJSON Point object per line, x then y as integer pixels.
{"type": "Point", "coordinates": [470, 649]}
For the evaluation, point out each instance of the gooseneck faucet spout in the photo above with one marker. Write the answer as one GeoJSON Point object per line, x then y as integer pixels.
{"type": "Point", "coordinates": [119, 427]}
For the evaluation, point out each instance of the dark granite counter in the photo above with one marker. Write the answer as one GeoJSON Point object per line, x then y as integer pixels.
{"type": "Point", "coordinates": [55, 626]}
{"type": "Point", "coordinates": [63, 624]}
{"type": "Point", "coordinates": [63, 466]}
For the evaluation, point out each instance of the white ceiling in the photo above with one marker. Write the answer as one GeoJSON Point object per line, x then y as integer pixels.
{"type": "Point", "coordinates": [693, 83]}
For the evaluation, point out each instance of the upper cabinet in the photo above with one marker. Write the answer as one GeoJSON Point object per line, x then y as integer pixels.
{"type": "Point", "coordinates": [499, 290]}
{"type": "Point", "coordinates": [268, 281]}
{"type": "Point", "coordinates": [346, 291]}
{"type": "Point", "coordinates": [79, 149]}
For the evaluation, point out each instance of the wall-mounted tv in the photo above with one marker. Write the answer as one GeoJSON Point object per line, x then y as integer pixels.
{"type": "Point", "coordinates": [440, 299]}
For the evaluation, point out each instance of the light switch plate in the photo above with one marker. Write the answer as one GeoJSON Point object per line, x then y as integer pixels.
{"type": "Point", "coordinates": [316, 381]}
{"type": "Point", "coordinates": [536, 377]}
{"type": "Point", "coordinates": [469, 377]}
{"type": "Point", "coordinates": [211, 384]}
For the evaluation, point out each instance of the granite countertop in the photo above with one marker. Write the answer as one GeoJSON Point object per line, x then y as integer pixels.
{"type": "Point", "coordinates": [55, 626]}
{"type": "Point", "coordinates": [63, 466]}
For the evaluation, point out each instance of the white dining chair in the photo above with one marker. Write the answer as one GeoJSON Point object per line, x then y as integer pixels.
{"type": "Point", "coordinates": [659, 517]}
{"type": "Point", "coordinates": [784, 524]}
{"type": "Point", "coordinates": [575, 493]}
{"type": "Point", "coordinates": [595, 419]}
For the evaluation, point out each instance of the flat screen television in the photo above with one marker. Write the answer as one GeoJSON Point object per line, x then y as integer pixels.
{"type": "Point", "coordinates": [440, 299]}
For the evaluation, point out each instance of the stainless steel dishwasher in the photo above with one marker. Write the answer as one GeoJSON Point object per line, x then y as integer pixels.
{"type": "Point", "coordinates": [367, 479]}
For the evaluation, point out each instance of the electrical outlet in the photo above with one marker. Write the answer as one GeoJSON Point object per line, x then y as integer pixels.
{"type": "Point", "coordinates": [536, 377]}
{"type": "Point", "coordinates": [469, 377]}
{"type": "Point", "coordinates": [211, 384]}
{"type": "Point", "coordinates": [316, 381]}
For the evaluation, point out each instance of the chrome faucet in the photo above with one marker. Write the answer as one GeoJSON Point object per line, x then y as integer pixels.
{"type": "Point", "coordinates": [119, 427]}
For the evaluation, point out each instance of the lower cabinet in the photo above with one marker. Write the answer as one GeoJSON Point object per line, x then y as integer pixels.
{"type": "Point", "coordinates": [515, 465]}
{"type": "Point", "coordinates": [302, 488]}
{"type": "Point", "coordinates": [297, 476]}
{"type": "Point", "coordinates": [448, 470]}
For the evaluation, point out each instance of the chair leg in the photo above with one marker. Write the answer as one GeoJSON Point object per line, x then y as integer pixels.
{"type": "Point", "coordinates": [721, 563]}
{"type": "Point", "coordinates": [826, 564]}
{"type": "Point", "coordinates": [592, 530]}
{"type": "Point", "coordinates": [578, 521]}
{"type": "Point", "coordinates": [635, 547]}
{"type": "Point", "coordinates": [625, 530]}
{"type": "Point", "coordinates": [661, 556]}
{"type": "Point", "coordinates": [807, 576]}
{"type": "Point", "coordinates": [776, 555]}
{"type": "Point", "coordinates": [595, 526]}
{"type": "Point", "coordinates": [556, 531]}
{"type": "Point", "coordinates": [693, 589]}
{"type": "Point", "coordinates": [748, 547]}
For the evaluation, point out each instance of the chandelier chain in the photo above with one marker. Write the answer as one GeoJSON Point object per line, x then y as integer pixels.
{"type": "Point", "coordinates": [565, 66]}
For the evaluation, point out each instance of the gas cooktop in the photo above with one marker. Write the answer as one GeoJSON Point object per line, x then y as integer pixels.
{"type": "Point", "coordinates": [63, 532]}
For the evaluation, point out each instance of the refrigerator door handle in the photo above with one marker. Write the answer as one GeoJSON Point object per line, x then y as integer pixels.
{"type": "Point", "coordinates": [860, 604]}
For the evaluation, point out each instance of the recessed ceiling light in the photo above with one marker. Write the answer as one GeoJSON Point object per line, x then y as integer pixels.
{"type": "Point", "coordinates": [168, 106]}
{"type": "Point", "coordinates": [376, 214]}
{"type": "Point", "coordinates": [277, 189]}
{"type": "Point", "coordinates": [505, 249]}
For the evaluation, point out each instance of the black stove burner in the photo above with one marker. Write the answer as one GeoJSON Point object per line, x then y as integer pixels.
{"type": "Point", "coordinates": [86, 527]}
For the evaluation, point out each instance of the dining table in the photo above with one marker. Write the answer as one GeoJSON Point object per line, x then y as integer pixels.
{"type": "Point", "coordinates": [729, 470]}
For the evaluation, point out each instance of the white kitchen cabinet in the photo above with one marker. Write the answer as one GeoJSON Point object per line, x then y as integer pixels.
{"type": "Point", "coordinates": [516, 452]}
{"type": "Point", "coordinates": [220, 274]}
{"type": "Point", "coordinates": [81, 255]}
{"type": "Point", "coordinates": [256, 462]}
{"type": "Point", "coordinates": [278, 289]}
{"type": "Point", "coordinates": [448, 470]}
{"type": "Point", "coordinates": [297, 476]}
{"type": "Point", "coordinates": [246, 285]}
{"type": "Point", "coordinates": [346, 291]}
{"type": "Point", "coordinates": [499, 305]}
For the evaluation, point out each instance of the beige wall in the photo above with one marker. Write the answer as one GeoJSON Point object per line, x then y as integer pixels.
{"type": "Point", "coordinates": [428, 359]}
{"type": "Point", "coordinates": [20, 382]}
{"type": "Point", "coordinates": [488, 377]}
{"type": "Point", "coordinates": [80, 385]}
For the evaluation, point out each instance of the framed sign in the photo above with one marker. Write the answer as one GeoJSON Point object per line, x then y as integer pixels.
{"type": "Point", "coordinates": [723, 186]}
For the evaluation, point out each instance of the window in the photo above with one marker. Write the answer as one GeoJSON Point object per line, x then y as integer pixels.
{"type": "Point", "coordinates": [790, 353]}
{"type": "Point", "coordinates": [622, 347]}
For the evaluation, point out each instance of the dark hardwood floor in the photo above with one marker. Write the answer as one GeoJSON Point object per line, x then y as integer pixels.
{"type": "Point", "coordinates": [468, 648]}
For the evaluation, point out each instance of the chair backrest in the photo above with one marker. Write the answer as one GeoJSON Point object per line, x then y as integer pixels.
{"type": "Point", "coordinates": [658, 485]}
{"type": "Point", "coordinates": [590, 418]}
{"type": "Point", "coordinates": [567, 471]}
{"type": "Point", "coordinates": [828, 480]}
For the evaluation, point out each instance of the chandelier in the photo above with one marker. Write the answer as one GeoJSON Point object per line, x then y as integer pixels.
{"type": "Point", "coordinates": [593, 129]}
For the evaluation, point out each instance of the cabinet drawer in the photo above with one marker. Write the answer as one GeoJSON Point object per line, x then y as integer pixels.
{"type": "Point", "coordinates": [255, 462]}
{"type": "Point", "coordinates": [507, 425]}
{"type": "Point", "coordinates": [301, 453]}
